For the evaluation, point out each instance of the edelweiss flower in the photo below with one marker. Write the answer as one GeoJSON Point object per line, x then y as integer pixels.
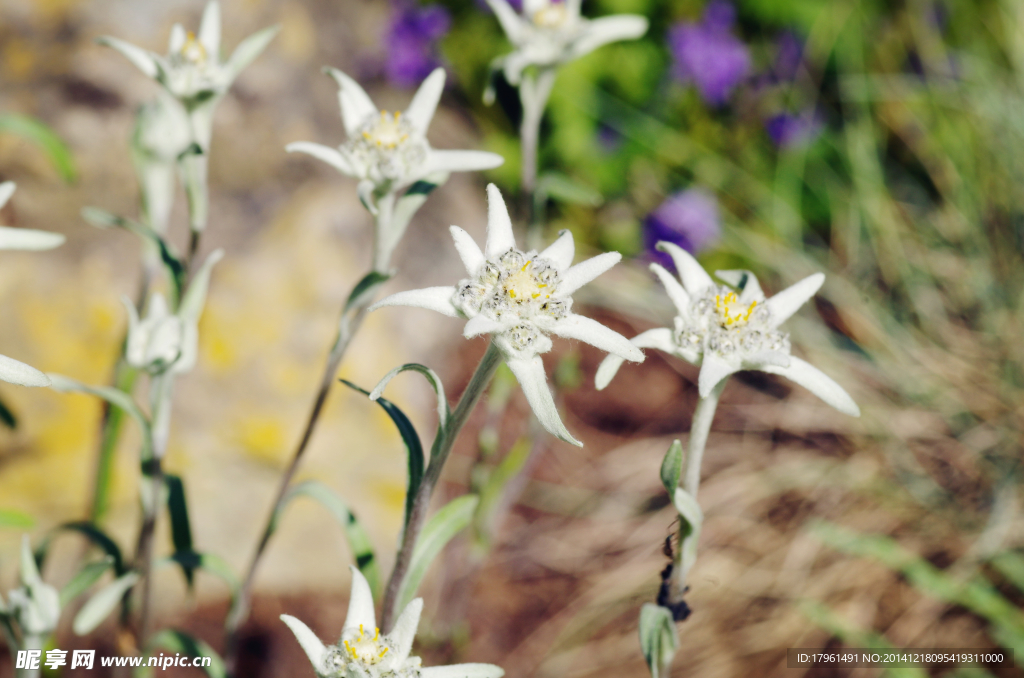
{"type": "Point", "coordinates": [11, 370]}
{"type": "Point", "coordinates": [725, 332]}
{"type": "Point", "coordinates": [520, 298]}
{"type": "Point", "coordinates": [549, 33]}
{"type": "Point", "coordinates": [35, 605]}
{"type": "Point", "coordinates": [389, 151]}
{"type": "Point", "coordinates": [161, 137]}
{"type": "Point", "coordinates": [363, 652]}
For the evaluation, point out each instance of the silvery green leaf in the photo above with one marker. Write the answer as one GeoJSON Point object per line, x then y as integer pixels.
{"type": "Point", "coordinates": [672, 467]}
{"type": "Point", "coordinates": [658, 639]}
{"type": "Point", "coordinates": [102, 604]}
{"type": "Point", "coordinates": [84, 578]}
{"type": "Point", "coordinates": [439, 530]}
{"type": "Point", "coordinates": [692, 517]}
{"type": "Point", "coordinates": [194, 301]}
{"type": "Point", "coordinates": [443, 410]}
{"type": "Point", "coordinates": [113, 396]}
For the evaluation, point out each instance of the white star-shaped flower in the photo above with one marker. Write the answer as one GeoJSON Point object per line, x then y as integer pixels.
{"type": "Point", "coordinates": [13, 371]}
{"type": "Point", "coordinates": [549, 33]}
{"type": "Point", "coordinates": [725, 332]}
{"type": "Point", "coordinates": [387, 151]}
{"type": "Point", "coordinates": [363, 652]}
{"type": "Point", "coordinates": [520, 298]}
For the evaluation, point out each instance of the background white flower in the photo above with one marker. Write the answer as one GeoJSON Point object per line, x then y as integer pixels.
{"type": "Point", "coordinates": [363, 652]}
{"type": "Point", "coordinates": [725, 332]}
{"type": "Point", "coordinates": [520, 298]}
{"type": "Point", "coordinates": [549, 33]}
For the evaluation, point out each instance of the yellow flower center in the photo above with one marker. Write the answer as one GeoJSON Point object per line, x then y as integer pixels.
{"type": "Point", "coordinates": [523, 284]}
{"type": "Point", "coordinates": [388, 132]}
{"type": "Point", "coordinates": [552, 16]}
{"type": "Point", "coordinates": [730, 312]}
{"type": "Point", "coordinates": [365, 649]}
{"type": "Point", "coordinates": [193, 51]}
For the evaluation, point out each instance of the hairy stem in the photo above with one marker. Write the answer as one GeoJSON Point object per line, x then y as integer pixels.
{"type": "Point", "coordinates": [439, 454]}
{"type": "Point", "coordinates": [534, 92]}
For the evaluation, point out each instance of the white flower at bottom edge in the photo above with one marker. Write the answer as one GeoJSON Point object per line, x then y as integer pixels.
{"type": "Point", "coordinates": [363, 652]}
{"type": "Point", "coordinates": [725, 332]}
{"type": "Point", "coordinates": [520, 298]}
{"type": "Point", "coordinates": [35, 605]}
{"type": "Point", "coordinates": [11, 370]}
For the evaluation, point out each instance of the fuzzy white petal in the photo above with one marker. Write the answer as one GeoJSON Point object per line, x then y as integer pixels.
{"type": "Point", "coordinates": [599, 32]}
{"type": "Point", "coordinates": [659, 338]}
{"type": "Point", "coordinates": [458, 161]}
{"type": "Point", "coordinates": [481, 324]}
{"type": "Point", "coordinates": [360, 604]}
{"type": "Point", "coordinates": [469, 251]}
{"type": "Point", "coordinates": [695, 278]}
{"type": "Point", "coordinates": [585, 271]}
{"type": "Point", "coordinates": [530, 374]}
{"type": "Point", "coordinates": [433, 298]}
{"type": "Point", "coordinates": [509, 19]}
{"type": "Point", "coordinates": [209, 30]}
{"type": "Point", "coordinates": [463, 671]}
{"type": "Point", "coordinates": [788, 301]}
{"type": "Point", "coordinates": [680, 299]}
{"type": "Point", "coordinates": [713, 369]}
{"type": "Point", "coordinates": [561, 252]}
{"type": "Point", "coordinates": [142, 59]}
{"type": "Point", "coordinates": [28, 239]}
{"type": "Point", "coordinates": [404, 631]}
{"type": "Point", "coordinates": [365, 189]}
{"type": "Point", "coordinates": [313, 646]}
{"type": "Point", "coordinates": [500, 237]}
{"type": "Point", "coordinates": [6, 191]}
{"type": "Point", "coordinates": [762, 358]}
{"type": "Point", "coordinates": [248, 50]}
{"type": "Point", "coordinates": [594, 333]}
{"type": "Point", "coordinates": [818, 383]}
{"type": "Point", "coordinates": [356, 106]}
{"type": "Point", "coordinates": [178, 38]}
{"type": "Point", "coordinates": [424, 102]}
{"type": "Point", "coordinates": [325, 153]}
{"type": "Point", "coordinates": [14, 372]}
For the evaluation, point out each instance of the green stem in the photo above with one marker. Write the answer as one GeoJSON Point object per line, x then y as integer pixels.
{"type": "Point", "coordinates": [534, 92]}
{"type": "Point", "coordinates": [439, 454]}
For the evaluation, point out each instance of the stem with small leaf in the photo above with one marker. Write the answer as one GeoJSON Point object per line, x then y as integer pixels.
{"type": "Point", "coordinates": [534, 92]}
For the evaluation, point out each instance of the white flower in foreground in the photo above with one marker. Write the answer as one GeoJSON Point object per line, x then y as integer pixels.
{"type": "Point", "coordinates": [389, 151]}
{"type": "Point", "coordinates": [520, 298]}
{"type": "Point", "coordinates": [363, 652]}
{"type": "Point", "coordinates": [549, 33]}
{"type": "Point", "coordinates": [725, 332]}
{"type": "Point", "coordinates": [35, 605]}
{"type": "Point", "coordinates": [161, 136]}
{"type": "Point", "coordinates": [11, 370]}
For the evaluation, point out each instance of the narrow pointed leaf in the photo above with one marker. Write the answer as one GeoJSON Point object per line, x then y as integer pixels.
{"type": "Point", "coordinates": [86, 577]}
{"type": "Point", "coordinates": [364, 289]}
{"type": "Point", "coordinates": [658, 639]}
{"type": "Point", "coordinates": [113, 396]}
{"type": "Point", "coordinates": [438, 531]}
{"type": "Point", "coordinates": [102, 604]}
{"type": "Point", "coordinates": [181, 529]}
{"type": "Point", "coordinates": [672, 467]}
{"type": "Point", "coordinates": [46, 139]}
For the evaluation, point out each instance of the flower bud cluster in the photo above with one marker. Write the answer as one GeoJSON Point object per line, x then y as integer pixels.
{"type": "Point", "coordinates": [387, 146]}
{"type": "Point", "coordinates": [192, 70]}
{"type": "Point", "coordinates": [366, 655]}
{"type": "Point", "coordinates": [716, 321]}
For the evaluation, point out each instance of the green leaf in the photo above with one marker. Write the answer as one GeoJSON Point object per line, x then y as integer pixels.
{"type": "Point", "coordinates": [364, 288]}
{"type": "Point", "coordinates": [214, 564]}
{"type": "Point", "coordinates": [86, 577]}
{"type": "Point", "coordinates": [1011, 565]}
{"type": "Point", "coordinates": [358, 540]}
{"type": "Point", "coordinates": [658, 639]}
{"type": "Point", "coordinates": [491, 492]}
{"type": "Point", "coordinates": [181, 529]}
{"type": "Point", "coordinates": [115, 397]}
{"type": "Point", "coordinates": [180, 642]}
{"type": "Point", "coordinates": [565, 189]}
{"type": "Point", "coordinates": [672, 467]}
{"type": "Point", "coordinates": [438, 531]}
{"type": "Point", "coordinates": [692, 518]}
{"type": "Point", "coordinates": [16, 519]}
{"type": "Point", "coordinates": [413, 446]}
{"type": "Point", "coordinates": [102, 604]}
{"type": "Point", "coordinates": [443, 410]}
{"type": "Point", "coordinates": [7, 417]}
{"type": "Point", "coordinates": [45, 138]}
{"type": "Point", "coordinates": [94, 534]}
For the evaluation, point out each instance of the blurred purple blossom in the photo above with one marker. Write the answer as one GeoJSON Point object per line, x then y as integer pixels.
{"type": "Point", "coordinates": [788, 130]}
{"type": "Point", "coordinates": [517, 5]}
{"type": "Point", "coordinates": [412, 42]}
{"type": "Point", "coordinates": [688, 219]}
{"type": "Point", "coordinates": [788, 57]}
{"type": "Point", "coordinates": [708, 54]}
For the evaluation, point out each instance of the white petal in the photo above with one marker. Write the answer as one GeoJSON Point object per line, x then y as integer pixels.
{"type": "Point", "coordinates": [481, 324]}
{"type": "Point", "coordinates": [680, 299]}
{"type": "Point", "coordinates": [142, 59]}
{"type": "Point", "coordinates": [360, 604]}
{"type": "Point", "coordinates": [404, 631]}
{"type": "Point", "coordinates": [28, 239]}
{"type": "Point", "coordinates": [433, 298]}
{"type": "Point", "coordinates": [458, 161]}
{"type": "Point", "coordinates": [325, 153]}
{"type": "Point", "coordinates": [314, 648]}
{"type": "Point", "coordinates": [818, 383]}
{"type": "Point", "coordinates": [356, 106]}
{"type": "Point", "coordinates": [248, 50]}
{"type": "Point", "coordinates": [209, 30]}
{"type": "Point", "coordinates": [561, 252]}
{"type": "Point", "coordinates": [585, 271]}
{"type": "Point", "coordinates": [510, 21]}
{"type": "Point", "coordinates": [530, 374]}
{"type": "Point", "coordinates": [500, 237]}
{"type": "Point", "coordinates": [695, 278]}
{"type": "Point", "coordinates": [594, 333]}
{"type": "Point", "coordinates": [424, 103]}
{"type": "Point", "coordinates": [788, 301]}
{"type": "Point", "coordinates": [746, 282]}
{"type": "Point", "coordinates": [659, 338]}
{"type": "Point", "coordinates": [762, 358]}
{"type": "Point", "coordinates": [599, 32]}
{"type": "Point", "coordinates": [366, 188]}
{"type": "Point", "coordinates": [713, 369]}
{"type": "Point", "coordinates": [463, 671]}
{"type": "Point", "coordinates": [178, 39]}
{"type": "Point", "coordinates": [6, 191]}
{"type": "Point", "coordinates": [469, 251]}
{"type": "Point", "coordinates": [14, 372]}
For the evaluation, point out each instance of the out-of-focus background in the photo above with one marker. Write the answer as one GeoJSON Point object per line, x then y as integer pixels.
{"type": "Point", "coordinates": [877, 142]}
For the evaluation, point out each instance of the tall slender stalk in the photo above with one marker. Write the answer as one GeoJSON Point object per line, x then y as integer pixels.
{"type": "Point", "coordinates": [534, 92]}
{"type": "Point", "coordinates": [439, 454]}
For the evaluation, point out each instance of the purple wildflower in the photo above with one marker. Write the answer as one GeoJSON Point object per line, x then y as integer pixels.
{"type": "Point", "coordinates": [517, 5]}
{"type": "Point", "coordinates": [412, 42]}
{"type": "Point", "coordinates": [707, 53]}
{"type": "Point", "coordinates": [788, 57]}
{"type": "Point", "coordinates": [788, 130]}
{"type": "Point", "coordinates": [688, 219]}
